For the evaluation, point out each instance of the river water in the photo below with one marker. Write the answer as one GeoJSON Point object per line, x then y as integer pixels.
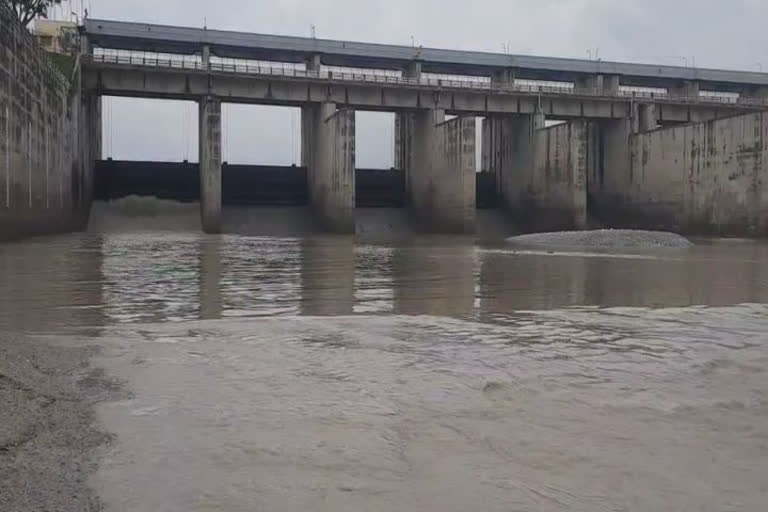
{"type": "Point", "coordinates": [302, 372]}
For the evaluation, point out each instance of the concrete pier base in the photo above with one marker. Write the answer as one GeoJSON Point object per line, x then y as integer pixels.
{"type": "Point", "coordinates": [541, 173]}
{"type": "Point", "coordinates": [558, 186]}
{"type": "Point", "coordinates": [210, 164]}
{"type": "Point", "coordinates": [330, 160]}
{"type": "Point", "coordinates": [441, 179]}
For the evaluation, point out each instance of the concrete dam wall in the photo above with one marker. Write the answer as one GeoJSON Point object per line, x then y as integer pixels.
{"type": "Point", "coordinates": [45, 146]}
{"type": "Point", "coordinates": [703, 178]}
{"type": "Point", "coordinates": [616, 168]}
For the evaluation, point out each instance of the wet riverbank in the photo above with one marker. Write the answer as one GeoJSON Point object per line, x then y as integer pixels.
{"type": "Point", "coordinates": [49, 434]}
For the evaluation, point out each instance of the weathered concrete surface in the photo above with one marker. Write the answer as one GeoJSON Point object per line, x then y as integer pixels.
{"type": "Point", "coordinates": [598, 84]}
{"type": "Point", "coordinates": [441, 181]}
{"type": "Point", "coordinates": [46, 133]}
{"type": "Point", "coordinates": [404, 122]}
{"type": "Point", "coordinates": [404, 126]}
{"type": "Point", "coordinates": [331, 167]}
{"type": "Point", "coordinates": [707, 178]}
{"type": "Point", "coordinates": [541, 172]}
{"type": "Point", "coordinates": [210, 164]}
{"type": "Point", "coordinates": [557, 190]}
{"type": "Point", "coordinates": [148, 82]}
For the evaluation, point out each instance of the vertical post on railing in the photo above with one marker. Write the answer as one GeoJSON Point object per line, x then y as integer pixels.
{"type": "Point", "coordinates": [85, 46]}
{"type": "Point", "coordinates": [206, 57]}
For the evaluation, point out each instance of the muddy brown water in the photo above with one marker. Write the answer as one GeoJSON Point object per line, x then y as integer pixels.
{"type": "Point", "coordinates": [303, 372]}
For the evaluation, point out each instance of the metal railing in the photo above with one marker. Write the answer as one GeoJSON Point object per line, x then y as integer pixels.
{"type": "Point", "coordinates": [329, 75]}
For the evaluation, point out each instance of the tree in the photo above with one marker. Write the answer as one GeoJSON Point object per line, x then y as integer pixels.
{"type": "Point", "coordinates": [28, 10]}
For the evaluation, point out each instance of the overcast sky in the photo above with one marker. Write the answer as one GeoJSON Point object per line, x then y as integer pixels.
{"type": "Point", "coordinates": [717, 33]}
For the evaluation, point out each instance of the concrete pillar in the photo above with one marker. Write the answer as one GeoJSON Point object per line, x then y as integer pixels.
{"type": "Point", "coordinates": [90, 151]}
{"type": "Point", "coordinates": [413, 70]}
{"type": "Point", "coordinates": [503, 77]}
{"type": "Point", "coordinates": [647, 117]}
{"type": "Point", "coordinates": [331, 167]}
{"type": "Point", "coordinates": [404, 124]}
{"type": "Point", "coordinates": [754, 95]}
{"type": "Point", "coordinates": [95, 127]}
{"type": "Point", "coordinates": [558, 188]}
{"type": "Point", "coordinates": [603, 85]}
{"type": "Point", "coordinates": [686, 89]}
{"type": "Point", "coordinates": [85, 45]}
{"type": "Point", "coordinates": [206, 57]}
{"type": "Point", "coordinates": [541, 172]}
{"type": "Point", "coordinates": [611, 85]}
{"type": "Point", "coordinates": [210, 163]}
{"type": "Point", "coordinates": [313, 64]}
{"type": "Point", "coordinates": [403, 139]}
{"type": "Point", "coordinates": [486, 144]}
{"type": "Point", "coordinates": [441, 183]}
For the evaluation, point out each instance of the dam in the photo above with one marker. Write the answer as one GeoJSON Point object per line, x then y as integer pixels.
{"type": "Point", "coordinates": [561, 140]}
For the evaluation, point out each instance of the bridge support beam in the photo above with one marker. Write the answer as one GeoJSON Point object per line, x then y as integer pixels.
{"type": "Point", "coordinates": [440, 180]}
{"type": "Point", "coordinates": [210, 164]}
{"type": "Point", "coordinates": [330, 161]}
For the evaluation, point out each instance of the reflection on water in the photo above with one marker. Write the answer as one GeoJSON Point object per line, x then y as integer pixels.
{"type": "Point", "coordinates": [415, 373]}
{"type": "Point", "coordinates": [88, 280]}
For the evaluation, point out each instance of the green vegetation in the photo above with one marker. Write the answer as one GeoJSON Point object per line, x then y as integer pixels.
{"type": "Point", "coordinates": [28, 10]}
{"type": "Point", "coordinates": [64, 63]}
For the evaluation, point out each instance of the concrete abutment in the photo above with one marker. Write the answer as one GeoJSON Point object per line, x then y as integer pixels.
{"type": "Point", "coordinates": [49, 139]}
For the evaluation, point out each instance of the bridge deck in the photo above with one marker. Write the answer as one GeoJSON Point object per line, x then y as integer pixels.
{"type": "Point", "coordinates": [185, 40]}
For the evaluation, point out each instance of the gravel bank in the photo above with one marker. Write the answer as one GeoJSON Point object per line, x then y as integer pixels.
{"type": "Point", "coordinates": [48, 433]}
{"type": "Point", "coordinates": [604, 239]}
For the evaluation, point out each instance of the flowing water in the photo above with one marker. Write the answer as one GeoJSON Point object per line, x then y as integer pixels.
{"type": "Point", "coordinates": [302, 372]}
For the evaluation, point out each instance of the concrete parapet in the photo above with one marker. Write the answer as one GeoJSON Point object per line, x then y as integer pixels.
{"type": "Point", "coordinates": [331, 167]}
{"type": "Point", "coordinates": [210, 164]}
{"type": "Point", "coordinates": [441, 182]}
